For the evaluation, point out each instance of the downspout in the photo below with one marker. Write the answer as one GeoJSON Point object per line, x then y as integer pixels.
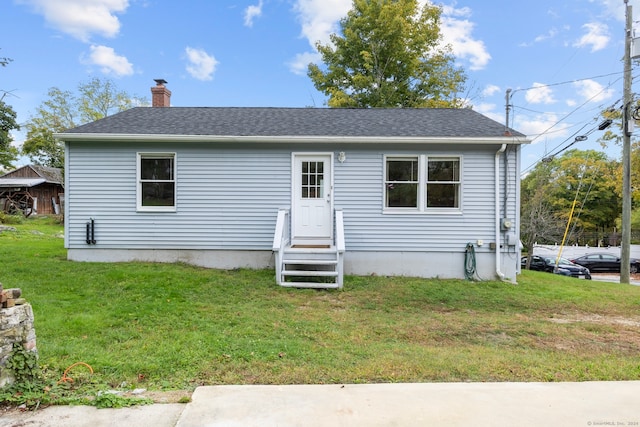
{"type": "Point", "coordinates": [499, 272]}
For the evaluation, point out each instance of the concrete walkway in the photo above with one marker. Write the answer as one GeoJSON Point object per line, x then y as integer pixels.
{"type": "Point", "coordinates": [613, 278]}
{"type": "Point", "coordinates": [428, 404]}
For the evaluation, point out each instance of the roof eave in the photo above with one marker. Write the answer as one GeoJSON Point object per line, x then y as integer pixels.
{"type": "Point", "coordinates": [113, 137]}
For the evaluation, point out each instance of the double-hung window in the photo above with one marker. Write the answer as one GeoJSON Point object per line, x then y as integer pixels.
{"type": "Point", "coordinates": [156, 182]}
{"type": "Point", "coordinates": [443, 182]}
{"type": "Point", "coordinates": [422, 183]}
{"type": "Point", "coordinates": [402, 182]}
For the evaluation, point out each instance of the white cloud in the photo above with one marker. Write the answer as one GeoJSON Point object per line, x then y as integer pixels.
{"type": "Point", "coordinates": [81, 18]}
{"type": "Point", "coordinates": [201, 65]}
{"type": "Point", "coordinates": [319, 18]}
{"type": "Point", "coordinates": [300, 63]}
{"type": "Point", "coordinates": [490, 90]}
{"type": "Point", "coordinates": [591, 90]}
{"type": "Point", "coordinates": [252, 12]}
{"type": "Point", "coordinates": [458, 33]}
{"type": "Point", "coordinates": [539, 94]}
{"type": "Point", "coordinates": [615, 8]}
{"type": "Point", "coordinates": [109, 62]}
{"type": "Point", "coordinates": [541, 125]}
{"type": "Point", "coordinates": [549, 35]}
{"type": "Point", "coordinates": [597, 36]}
{"type": "Point", "coordinates": [489, 110]}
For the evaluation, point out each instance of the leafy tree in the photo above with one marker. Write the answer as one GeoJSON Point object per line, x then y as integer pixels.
{"type": "Point", "coordinates": [389, 54]}
{"type": "Point", "coordinates": [8, 153]}
{"type": "Point", "coordinates": [538, 221]}
{"type": "Point", "coordinates": [586, 178]}
{"type": "Point", "coordinates": [614, 134]}
{"type": "Point", "coordinates": [589, 177]}
{"type": "Point", "coordinates": [64, 110]}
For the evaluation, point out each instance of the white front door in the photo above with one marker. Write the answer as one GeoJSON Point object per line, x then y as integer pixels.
{"type": "Point", "coordinates": [312, 199]}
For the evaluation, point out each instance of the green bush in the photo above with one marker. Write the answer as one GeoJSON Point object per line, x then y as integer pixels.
{"type": "Point", "coordinates": [11, 219]}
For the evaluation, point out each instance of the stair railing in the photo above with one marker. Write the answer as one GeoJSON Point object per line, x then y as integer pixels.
{"type": "Point", "coordinates": [281, 238]}
{"type": "Point", "coordinates": [340, 245]}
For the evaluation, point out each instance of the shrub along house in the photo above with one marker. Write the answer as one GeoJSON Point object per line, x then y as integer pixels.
{"type": "Point", "coordinates": [314, 193]}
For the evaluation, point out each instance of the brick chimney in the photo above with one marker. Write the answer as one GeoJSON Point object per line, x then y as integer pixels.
{"type": "Point", "coordinates": [160, 95]}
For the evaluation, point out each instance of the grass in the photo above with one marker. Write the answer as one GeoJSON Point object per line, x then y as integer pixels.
{"type": "Point", "coordinates": [173, 326]}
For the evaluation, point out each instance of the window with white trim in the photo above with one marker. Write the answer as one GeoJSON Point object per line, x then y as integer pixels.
{"type": "Point", "coordinates": [443, 182]}
{"type": "Point", "coordinates": [421, 183]}
{"type": "Point", "coordinates": [156, 182]}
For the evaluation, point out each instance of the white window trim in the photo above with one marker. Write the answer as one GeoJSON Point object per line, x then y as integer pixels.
{"type": "Point", "coordinates": [423, 160]}
{"type": "Point", "coordinates": [160, 155]}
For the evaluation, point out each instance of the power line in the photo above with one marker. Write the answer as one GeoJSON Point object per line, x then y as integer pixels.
{"type": "Point", "coordinates": [568, 82]}
{"type": "Point", "coordinates": [576, 109]}
{"type": "Point", "coordinates": [577, 137]}
{"type": "Point", "coordinates": [569, 114]}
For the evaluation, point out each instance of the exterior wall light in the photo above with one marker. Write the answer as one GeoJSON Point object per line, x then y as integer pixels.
{"type": "Point", "coordinates": [342, 157]}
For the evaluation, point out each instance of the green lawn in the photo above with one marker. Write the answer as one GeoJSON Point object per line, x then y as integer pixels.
{"type": "Point", "coordinates": [163, 326]}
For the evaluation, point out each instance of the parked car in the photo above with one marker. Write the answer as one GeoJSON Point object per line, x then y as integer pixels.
{"type": "Point", "coordinates": [606, 263]}
{"type": "Point", "coordinates": [548, 264]}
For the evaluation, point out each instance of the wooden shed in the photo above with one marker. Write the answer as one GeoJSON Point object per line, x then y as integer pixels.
{"type": "Point", "coordinates": [32, 189]}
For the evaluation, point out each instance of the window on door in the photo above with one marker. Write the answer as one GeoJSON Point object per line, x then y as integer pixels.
{"type": "Point", "coordinates": [422, 183]}
{"type": "Point", "coordinates": [312, 180]}
{"type": "Point", "coordinates": [156, 182]}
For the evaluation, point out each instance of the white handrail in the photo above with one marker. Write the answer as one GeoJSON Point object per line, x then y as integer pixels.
{"type": "Point", "coordinates": [280, 241]}
{"type": "Point", "coordinates": [340, 245]}
{"type": "Point", "coordinates": [281, 232]}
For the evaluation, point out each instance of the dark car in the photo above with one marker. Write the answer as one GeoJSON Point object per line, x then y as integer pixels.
{"type": "Point", "coordinates": [606, 263]}
{"type": "Point", "coordinates": [548, 264]}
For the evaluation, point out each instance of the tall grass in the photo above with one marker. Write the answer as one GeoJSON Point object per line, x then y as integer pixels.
{"type": "Point", "coordinates": [173, 326]}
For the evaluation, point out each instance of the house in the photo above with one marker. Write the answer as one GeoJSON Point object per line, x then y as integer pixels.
{"type": "Point", "coordinates": [32, 189]}
{"type": "Point", "coordinates": [312, 192]}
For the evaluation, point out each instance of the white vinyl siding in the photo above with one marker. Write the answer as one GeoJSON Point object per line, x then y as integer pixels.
{"type": "Point", "coordinates": [371, 227]}
{"type": "Point", "coordinates": [226, 198]}
{"type": "Point", "coordinates": [228, 195]}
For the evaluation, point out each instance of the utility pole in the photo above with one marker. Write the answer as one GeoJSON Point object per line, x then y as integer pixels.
{"type": "Point", "coordinates": [625, 254]}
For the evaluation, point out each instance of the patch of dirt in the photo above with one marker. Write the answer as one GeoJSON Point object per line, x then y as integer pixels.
{"type": "Point", "coordinates": [596, 318]}
{"type": "Point", "coordinates": [596, 334]}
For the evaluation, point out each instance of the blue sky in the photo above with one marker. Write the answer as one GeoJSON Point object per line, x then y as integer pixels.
{"type": "Point", "coordinates": [563, 60]}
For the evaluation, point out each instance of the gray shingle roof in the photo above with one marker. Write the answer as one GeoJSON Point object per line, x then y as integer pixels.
{"type": "Point", "coordinates": [331, 122]}
{"type": "Point", "coordinates": [52, 175]}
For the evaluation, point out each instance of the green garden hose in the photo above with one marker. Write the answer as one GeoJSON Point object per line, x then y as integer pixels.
{"type": "Point", "coordinates": [470, 262]}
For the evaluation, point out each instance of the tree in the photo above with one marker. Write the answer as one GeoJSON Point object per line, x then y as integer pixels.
{"type": "Point", "coordinates": [614, 134]}
{"type": "Point", "coordinates": [589, 177]}
{"type": "Point", "coordinates": [8, 153]}
{"type": "Point", "coordinates": [63, 110]}
{"type": "Point", "coordinates": [538, 220]}
{"type": "Point", "coordinates": [389, 55]}
{"type": "Point", "coordinates": [586, 178]}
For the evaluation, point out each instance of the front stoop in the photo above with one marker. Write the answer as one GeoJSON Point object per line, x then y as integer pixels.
{"type": "Point", "coordinates": [311, 267]}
